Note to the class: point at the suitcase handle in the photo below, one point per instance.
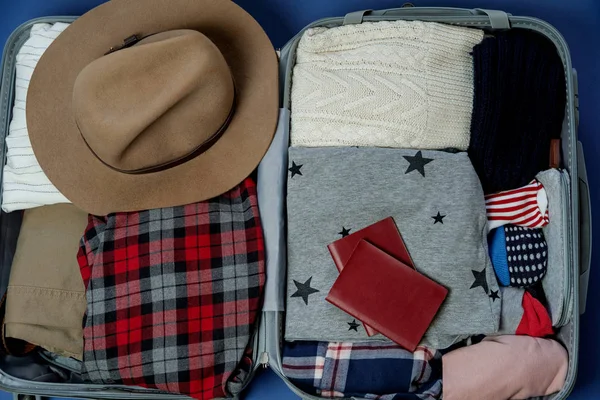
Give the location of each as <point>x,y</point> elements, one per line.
<point>585,229</point>
<point>498,19</point>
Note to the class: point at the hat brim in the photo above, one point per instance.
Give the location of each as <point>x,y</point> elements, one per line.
<point>99,189</point>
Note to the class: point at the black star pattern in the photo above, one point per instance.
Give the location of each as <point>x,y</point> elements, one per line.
<point>304,290</point>
<point>438,218</point>
<point>494,295</point>
<point>295,169</point>
<point>345,232</point>
<point>353,326</point>
<point>479,280</point>
<point>417,163</point>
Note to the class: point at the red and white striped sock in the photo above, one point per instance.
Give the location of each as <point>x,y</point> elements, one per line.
<point>526,206</point>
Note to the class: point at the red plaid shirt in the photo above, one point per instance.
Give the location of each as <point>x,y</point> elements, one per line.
<point>173,293</point>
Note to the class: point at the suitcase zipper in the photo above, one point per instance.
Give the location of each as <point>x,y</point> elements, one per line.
<point>264,359</point>
<point>568,270</point>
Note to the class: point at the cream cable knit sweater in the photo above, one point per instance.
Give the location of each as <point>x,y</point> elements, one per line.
<point>405,84</point>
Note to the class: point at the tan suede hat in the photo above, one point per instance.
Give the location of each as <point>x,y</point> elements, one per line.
<point>153,103</point>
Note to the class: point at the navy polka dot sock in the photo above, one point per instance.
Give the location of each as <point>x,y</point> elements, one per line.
<point>519,255</point>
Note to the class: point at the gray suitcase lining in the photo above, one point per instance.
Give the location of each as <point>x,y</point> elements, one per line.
<point>270,333</point>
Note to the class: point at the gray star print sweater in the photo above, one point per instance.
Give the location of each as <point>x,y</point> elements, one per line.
<point>437,203</point>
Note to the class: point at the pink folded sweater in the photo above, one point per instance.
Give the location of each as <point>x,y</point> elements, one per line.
<point>505,368</point>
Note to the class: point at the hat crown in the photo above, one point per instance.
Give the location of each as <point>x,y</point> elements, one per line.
<point>137,108</point>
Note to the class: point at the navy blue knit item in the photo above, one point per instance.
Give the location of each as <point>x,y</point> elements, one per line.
<point>519,255</point>
<point>518,107</point>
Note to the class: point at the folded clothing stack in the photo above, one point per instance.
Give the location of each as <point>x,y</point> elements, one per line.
<point>165,310</point>
<point>363,369</point>
<point>442,223</point>
<point>45,301</point>
<point>518,107</point>
<point>363,86</point>
<point>24,184</point>
<point>404,84</point>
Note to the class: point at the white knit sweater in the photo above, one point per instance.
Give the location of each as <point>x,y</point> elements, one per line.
<point>405,84</point>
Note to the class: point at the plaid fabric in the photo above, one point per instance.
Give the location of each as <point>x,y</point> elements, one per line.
<point>372,370</point>
<point>173,293</point>
<point>238,379</point>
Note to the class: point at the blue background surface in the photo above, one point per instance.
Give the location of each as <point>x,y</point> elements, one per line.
<point>577,20</point>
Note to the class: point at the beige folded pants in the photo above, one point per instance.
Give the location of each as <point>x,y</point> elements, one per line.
<point>46,302</point>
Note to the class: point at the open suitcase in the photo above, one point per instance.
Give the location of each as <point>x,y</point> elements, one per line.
<point>42,376</point>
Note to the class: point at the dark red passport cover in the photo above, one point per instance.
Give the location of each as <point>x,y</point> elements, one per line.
<point>387,295</point>
<point>384,235</point>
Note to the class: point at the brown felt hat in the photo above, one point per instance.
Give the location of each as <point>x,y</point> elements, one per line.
<point>153,103</point>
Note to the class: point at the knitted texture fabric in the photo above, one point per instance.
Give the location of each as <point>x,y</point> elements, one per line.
<point>526,206</point>
<point>523,312</point>
<point>518,107</point>
<point>404,84</point>
<point>497,249</point>
<point>519,255</point>
<point>536,321</point>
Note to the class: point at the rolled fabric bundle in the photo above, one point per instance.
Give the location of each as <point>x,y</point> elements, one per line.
<point>523,314</point>
<point>526,206</point>
<point>503,368</point>
<point>519,255</point>
<point>372,370</point>
<point>518,107</point>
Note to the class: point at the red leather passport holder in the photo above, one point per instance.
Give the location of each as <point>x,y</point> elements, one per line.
<point>387,295</point>
<point>384,235</point>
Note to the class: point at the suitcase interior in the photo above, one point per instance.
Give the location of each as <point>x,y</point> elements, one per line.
<point>36,375</point>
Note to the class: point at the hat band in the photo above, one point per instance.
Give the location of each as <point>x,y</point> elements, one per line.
<point>203,147</point>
